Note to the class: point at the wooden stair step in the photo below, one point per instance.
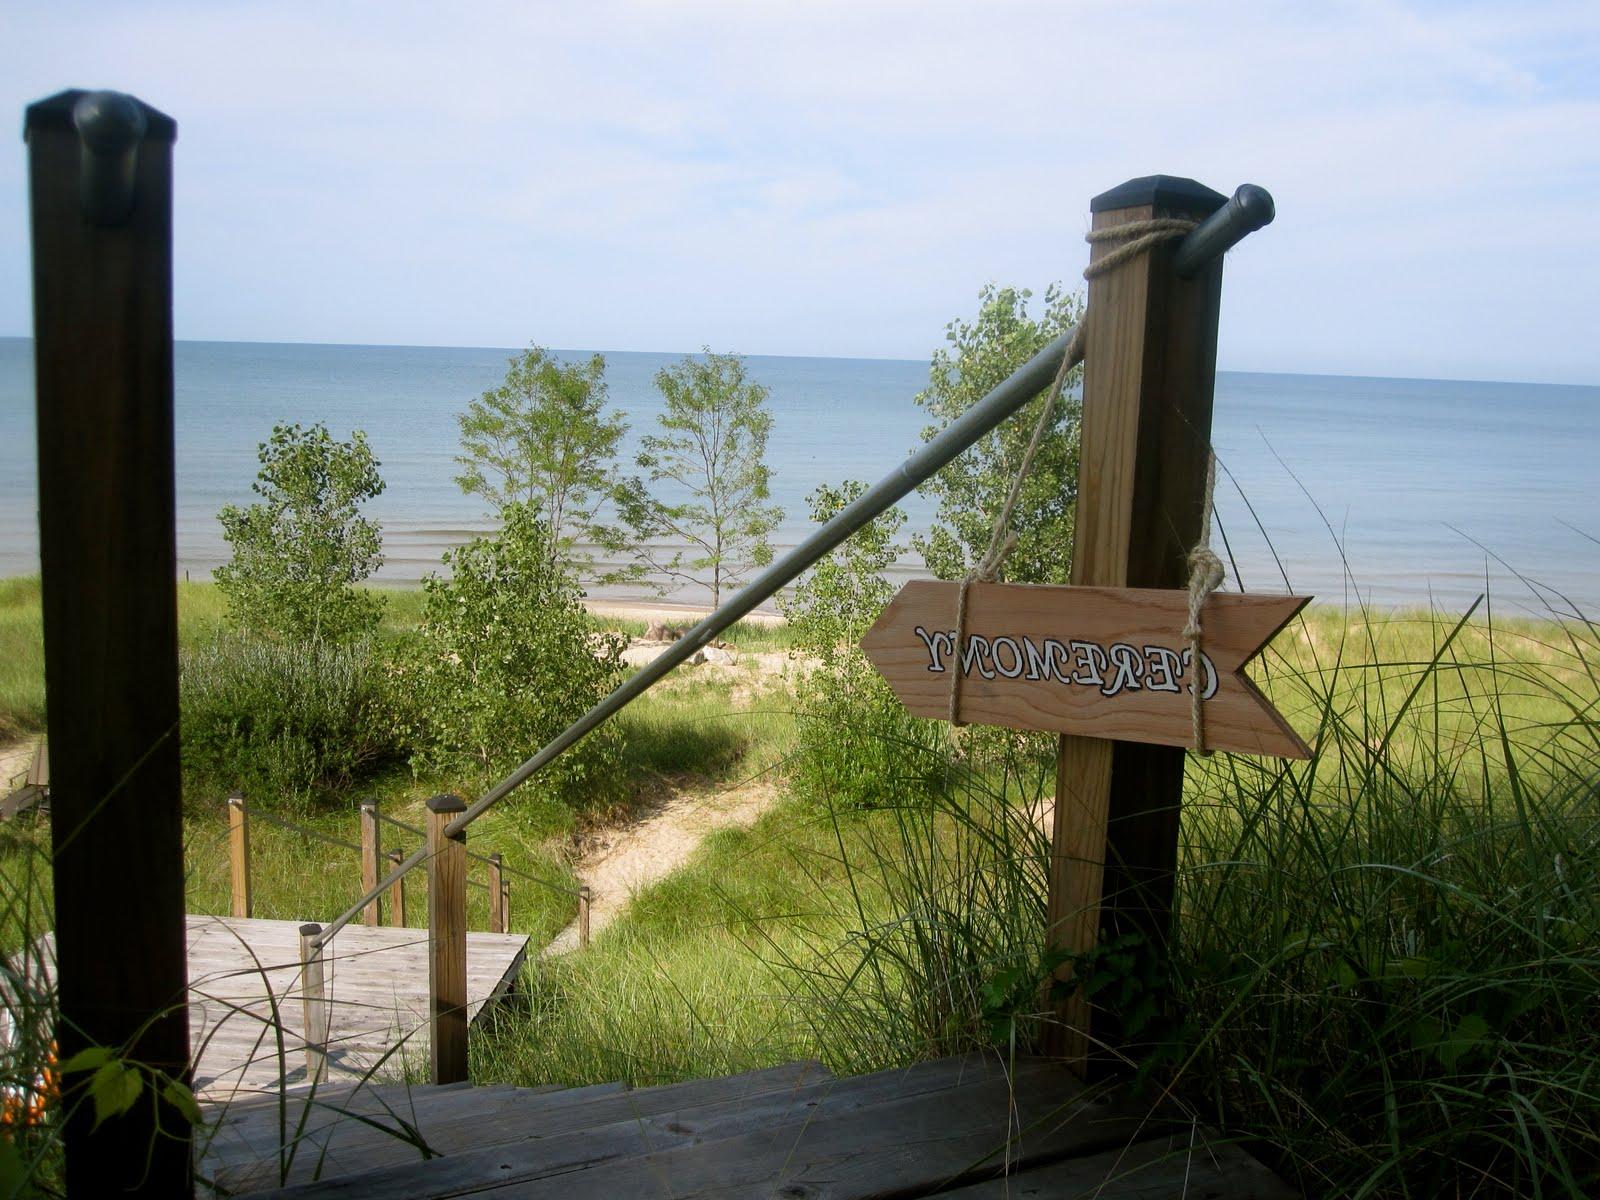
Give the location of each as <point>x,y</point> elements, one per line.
<point>1193,1165</point>
<point>666,1134</point>
<point>486,1116</point>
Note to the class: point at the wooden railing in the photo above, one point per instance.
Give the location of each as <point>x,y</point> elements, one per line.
<point>449,880</point>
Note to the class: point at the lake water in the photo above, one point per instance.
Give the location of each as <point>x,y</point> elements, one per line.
<point>1396,491</point>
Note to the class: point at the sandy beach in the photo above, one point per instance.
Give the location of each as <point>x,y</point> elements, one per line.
<point>667,611</point>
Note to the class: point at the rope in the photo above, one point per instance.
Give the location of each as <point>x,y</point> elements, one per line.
<point>303,831</point>
<point>1206,574</point>
<point>1137,238</point>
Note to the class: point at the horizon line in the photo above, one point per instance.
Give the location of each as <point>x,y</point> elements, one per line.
<point>333,345</point>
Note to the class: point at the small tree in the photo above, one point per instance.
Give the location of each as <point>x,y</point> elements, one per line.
<point>543,438</point>
<point>301,549</point>
<point>711,457</point>
<point>505,658</point>
<point>971,490</point>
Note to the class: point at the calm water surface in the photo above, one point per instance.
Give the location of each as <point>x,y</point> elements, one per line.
<point>1396,491</point>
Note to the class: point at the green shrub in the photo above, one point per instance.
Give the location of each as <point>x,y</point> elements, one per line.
<point>505,658</point>
<point>301,549</point>
<point>286,720</point>
<point>858,746</point>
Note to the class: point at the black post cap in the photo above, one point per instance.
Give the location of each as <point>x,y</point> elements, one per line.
<point>59,112</point>
<point>1171,192</point>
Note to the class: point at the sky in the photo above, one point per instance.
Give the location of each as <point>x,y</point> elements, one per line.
<point>840,178</point>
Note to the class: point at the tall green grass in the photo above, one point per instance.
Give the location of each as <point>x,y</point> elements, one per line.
<point>21,658</point>
<point>1385,967</point>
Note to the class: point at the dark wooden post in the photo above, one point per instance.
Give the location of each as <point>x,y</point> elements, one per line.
<point>584,897</point>
<point>371,859</point>
<point>100,189</point>
<point>1149,369</point>
<point>505,906</point>
<point>497,914</point>
<point>239,854</point>
<point>313,1003</point>
<point>447,941</point>
<point>397,893</point>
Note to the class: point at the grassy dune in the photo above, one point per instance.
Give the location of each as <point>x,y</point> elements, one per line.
<point>1387,959</point>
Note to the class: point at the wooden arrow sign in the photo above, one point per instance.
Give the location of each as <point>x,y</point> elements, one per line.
<point>1101,662</point>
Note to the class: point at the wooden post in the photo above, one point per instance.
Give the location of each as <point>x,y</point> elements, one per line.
<point>371,859</point>
<point>1149,368</point>
<point>505,906</point>
<point>397,893</point>
<point>497,916</point>
<point>584,896</point>
<point>313,1004</point>
<point>447,942</point>
<point>239,854</point>
<point>100,191</point>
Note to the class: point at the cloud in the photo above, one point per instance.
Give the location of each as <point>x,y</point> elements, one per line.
<point>840,177</point>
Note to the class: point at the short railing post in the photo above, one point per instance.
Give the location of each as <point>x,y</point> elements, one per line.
<point>497,895</point>
<point>397,893</point>
<point>584,896</point>
<point>239,854</point>
<point>371,857</point>
<point>314,1003</point>
<point>447,942</point>
<point>505,906</point>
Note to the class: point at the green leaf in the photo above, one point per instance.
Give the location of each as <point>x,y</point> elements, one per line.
<point>13,1170</point>
<point>181,1098</point>
<point>87,1059</point>
<point>115,1089</point>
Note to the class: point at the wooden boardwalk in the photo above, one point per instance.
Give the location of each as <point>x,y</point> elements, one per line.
<point>970,1127</point>
<point>244,988</point>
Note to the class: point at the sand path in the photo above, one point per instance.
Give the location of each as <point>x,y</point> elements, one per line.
<point>617,863</point>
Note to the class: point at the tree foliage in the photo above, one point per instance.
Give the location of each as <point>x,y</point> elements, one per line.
<point>970,491</point>
<point>300,550</point>
<point>543,438</point>
<point>709,464</point>
<point>505,658</point>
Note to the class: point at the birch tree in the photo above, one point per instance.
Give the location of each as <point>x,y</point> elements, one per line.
<point>702,516</point>
<point>543,438</point>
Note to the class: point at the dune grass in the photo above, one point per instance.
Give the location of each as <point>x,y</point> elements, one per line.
<point>1386,966</point>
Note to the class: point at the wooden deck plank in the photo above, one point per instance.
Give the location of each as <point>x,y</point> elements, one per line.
<point>1179,1167</point>
<point>456,1124</point>
<point>241,968</point>
<point>927,1124</point>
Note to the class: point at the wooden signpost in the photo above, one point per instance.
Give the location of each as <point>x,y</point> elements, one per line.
<point>1102,662</point>
<point>1031,655</point>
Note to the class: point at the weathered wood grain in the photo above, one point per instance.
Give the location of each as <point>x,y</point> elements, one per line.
<point>602,1145</point>
<point>1099,662</point>
<point>455,1120</point>
<point>1195,1165</point>
<point>447,941</point>
<point>245,1008</point>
